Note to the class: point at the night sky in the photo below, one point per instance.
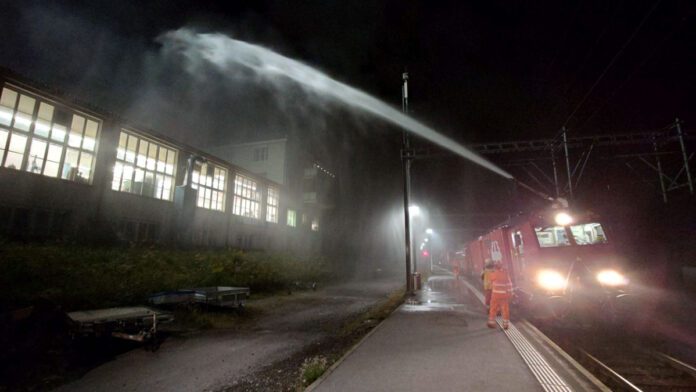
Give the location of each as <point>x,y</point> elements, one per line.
<point>479,71</point>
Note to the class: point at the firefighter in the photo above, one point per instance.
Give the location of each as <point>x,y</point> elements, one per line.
<point>501,286</point>
<point>486,278</point>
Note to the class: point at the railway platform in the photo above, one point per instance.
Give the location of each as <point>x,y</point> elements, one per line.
<point>440,342</point>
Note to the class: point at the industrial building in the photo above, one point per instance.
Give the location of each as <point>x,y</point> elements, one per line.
<point>69,171</point>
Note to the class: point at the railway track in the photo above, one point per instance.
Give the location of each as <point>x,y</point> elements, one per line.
<point>622,364</point>
<point>640,370</point>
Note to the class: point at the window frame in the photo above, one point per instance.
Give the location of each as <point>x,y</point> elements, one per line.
<point>45,113</point>
<point>246,197</point>
<point>132,160</point>
<point>217,194</point>
<point>272,204</point>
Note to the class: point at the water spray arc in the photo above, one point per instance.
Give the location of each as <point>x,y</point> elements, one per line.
<point>227,53</point>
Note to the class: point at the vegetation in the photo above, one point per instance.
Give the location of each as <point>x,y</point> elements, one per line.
<point>313,368</point>
<point>87,277</point>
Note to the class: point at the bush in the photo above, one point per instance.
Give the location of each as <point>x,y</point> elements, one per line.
<point>86,277</point>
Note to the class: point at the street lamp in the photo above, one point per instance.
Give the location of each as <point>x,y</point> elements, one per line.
<point>414,210</point>
<point>428,231</point>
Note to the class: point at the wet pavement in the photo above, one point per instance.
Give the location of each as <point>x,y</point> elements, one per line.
<point>440,343</point>
<point>217,360</point>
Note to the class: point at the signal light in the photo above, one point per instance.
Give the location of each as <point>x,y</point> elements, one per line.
<point>425,253</point>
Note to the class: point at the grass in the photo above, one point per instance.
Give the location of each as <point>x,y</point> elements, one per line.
<point>78,277</point>
<point>312,369</point>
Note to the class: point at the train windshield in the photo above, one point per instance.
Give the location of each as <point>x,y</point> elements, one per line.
<point>550,237</point>
<point>583,234</point>
<point>588,234</point>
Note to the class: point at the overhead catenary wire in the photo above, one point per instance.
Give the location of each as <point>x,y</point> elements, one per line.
<point>613,60</point>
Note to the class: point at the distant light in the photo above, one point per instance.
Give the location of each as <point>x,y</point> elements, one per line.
<point>414,210</point>
<point>563,219</point>
<point>426,253</point>
<point>429,231</point>
<point>426,240</point>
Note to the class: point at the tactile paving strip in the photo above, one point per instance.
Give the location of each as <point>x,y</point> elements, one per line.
<point>548,378</point>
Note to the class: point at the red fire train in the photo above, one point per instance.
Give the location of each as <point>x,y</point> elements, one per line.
<point>561,263</point>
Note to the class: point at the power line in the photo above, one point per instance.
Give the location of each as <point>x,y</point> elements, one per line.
<point>611,63</point>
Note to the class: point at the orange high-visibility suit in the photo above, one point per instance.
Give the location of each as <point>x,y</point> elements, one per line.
<point>501,286</point>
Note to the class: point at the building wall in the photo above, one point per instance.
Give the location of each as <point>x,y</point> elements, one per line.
<point>266,158</point>
<point>37,206</point>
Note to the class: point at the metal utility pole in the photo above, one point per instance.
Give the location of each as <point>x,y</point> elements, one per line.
<point>659,171</point>
<point>567,158</point>
<point>406,158</point>
<point>555,172</point>
<point>680,134</point>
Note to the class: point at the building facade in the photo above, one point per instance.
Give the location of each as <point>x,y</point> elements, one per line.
<point>69,171</point>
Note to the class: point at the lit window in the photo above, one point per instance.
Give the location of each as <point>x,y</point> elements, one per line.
<point>210,180</point>
<point>143,167</point>
<point>48,153</point>
<point>588,234</point>
<point>272,205</point>
<point>246,197</point>
<point>551,237</point>
<point>315,224</point>
<point>292,218</point>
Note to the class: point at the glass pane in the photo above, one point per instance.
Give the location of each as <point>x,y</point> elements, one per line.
<point>26,104</point>
<point>58,133</point>
<point>138,181</point>
<point>142,154</point>
<point>16,151</point>
<point>45,111</point>
<point>75,137</point>
<point>42,128</point>
<point>121,150</point>
<point>22,121</point>
<point>152,157</point>
<point>51,169</point>
<point>171,161</point>
<point>127,185</point>
<point>5,115</point>
<point>18,143</point>
<point>3,140</point>
<point>86,160</point>
<point>131,150</point>
<point>162,160</point>
<point>70,166</point>
<point>588,234</point>
<point>8,98</point>
<point>54,152</point>
<point>14,160</point>
<point>90,135</point>
<point>7,104</point>
<point>552,236</point>
<point>37,153</point>
<point>149,184</point>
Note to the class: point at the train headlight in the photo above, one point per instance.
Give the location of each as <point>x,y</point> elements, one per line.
<point>551,280</point>
<point>611,278</point>
<point>563,219</point>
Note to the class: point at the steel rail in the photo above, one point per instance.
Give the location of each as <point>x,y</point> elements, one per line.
<point>606,370</point>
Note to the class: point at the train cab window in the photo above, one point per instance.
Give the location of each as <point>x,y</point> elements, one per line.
<point>517,242</point>
<point>551,237</point>
<point>588,234</point>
